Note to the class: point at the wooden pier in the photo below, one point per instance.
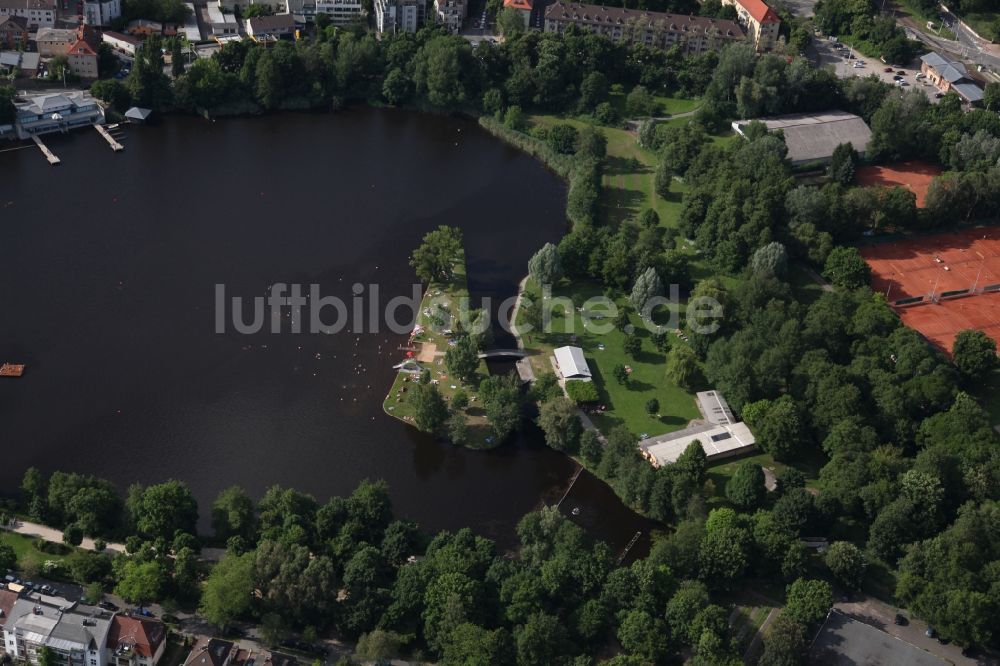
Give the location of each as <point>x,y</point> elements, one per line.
<point>11,370</point>
<point>49,155</point>
<point>115,146</point>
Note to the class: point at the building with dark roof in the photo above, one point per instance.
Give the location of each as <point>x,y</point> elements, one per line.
<point>210,652</point>
<point>13,31</point>
<point>950,75</point>
<point>693,34</point>
<point>270,28</point>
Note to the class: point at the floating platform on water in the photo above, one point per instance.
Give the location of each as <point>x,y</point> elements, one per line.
<point>11,370</point>
<point>115,146</point>
<point>49,155</point>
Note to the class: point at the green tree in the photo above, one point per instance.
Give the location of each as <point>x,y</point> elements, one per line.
<point>682,367</point>
<point>746,488</point>
<point>652,406</point>
<point>48,657</point>
<point>846,268</point>
<point>462,359</point>
<point>808,600</point>
<point>140,582</point>
<point>770,259</point>
<point>621,374</point>
<point>435,258</point>
<point>562,138</point>
<point>429,408</point>
<point>843,164</point>
<point>8,557</point>
<point>544,266</point>
<point>397,87</point>
<point>632,345</point>
<point>560,421</point>
<point>593,90</point>
<point>647,286</point>
<point>510,22</point>
<point>541,640</point>
<point>166,508</point>
<point>234,514</point>
<point>228,591</point>
<point>379,644</point>
<point>458,428</point>
<point>472,645</point>
<point>590,447</point>
<point>72,535</point>
<point>846,562</point>
<point>639,102</point>
<point>975,354</point>
<point>785,644</point>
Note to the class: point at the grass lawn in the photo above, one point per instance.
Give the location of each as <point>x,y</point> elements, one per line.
<point>629,174</point>
<point>624,405</point>
<point>26,551</point>
<point>806,289</point>
<point>720,473</point>
<point>665,106</point>
<point>439,302</point>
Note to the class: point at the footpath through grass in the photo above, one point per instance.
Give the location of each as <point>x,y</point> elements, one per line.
<point>441,304</point>
<point>622,404</point>
<point>28,554</point>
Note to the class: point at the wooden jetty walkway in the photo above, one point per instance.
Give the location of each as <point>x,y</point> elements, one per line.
<point>115,146</point>
<point>11,370</point>
<point>621,558</point>
<point>49,155</point>
<point>579,470</point>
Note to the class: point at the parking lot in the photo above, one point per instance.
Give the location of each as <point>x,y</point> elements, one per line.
<point>843,59</point>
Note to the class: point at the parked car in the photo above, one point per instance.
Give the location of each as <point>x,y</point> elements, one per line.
<point>47,589</point>
<point>938,95</point>
<point>143,612</point>
<point>887,70</point>
<point>108,606</point>
<point>901,72</point>
<point>900,620</point>
<point>931,632</point>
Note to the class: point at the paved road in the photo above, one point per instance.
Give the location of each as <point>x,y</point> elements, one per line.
<point>880,615</point>
<point>51,534</point>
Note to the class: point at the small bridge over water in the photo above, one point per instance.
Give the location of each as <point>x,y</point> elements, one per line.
<point>503,353</point>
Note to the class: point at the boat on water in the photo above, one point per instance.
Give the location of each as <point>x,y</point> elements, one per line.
<point>11,370</point>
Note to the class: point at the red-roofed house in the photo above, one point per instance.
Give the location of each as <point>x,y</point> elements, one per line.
<point>135,641</point>
<point>760,21</point>
<point>523,6</point>
<point>82,60</point>
<point>7,601</point>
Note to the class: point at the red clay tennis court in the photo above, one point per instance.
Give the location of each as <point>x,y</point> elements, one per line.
<point>914,176</point>
<point>942,284</point>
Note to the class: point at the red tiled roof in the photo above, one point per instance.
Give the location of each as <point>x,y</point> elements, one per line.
<point>81,48</point>
<point>144,636</point>
<point>759,10</point>
<point>7,599</point>
<point>518,4</point>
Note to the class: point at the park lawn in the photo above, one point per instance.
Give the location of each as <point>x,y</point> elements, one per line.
<point>720,473</point>
<point>396,403</point>
<point>630,173</point>
<point>666,105</point>
<point>624,405</point>
<point>24,548</point>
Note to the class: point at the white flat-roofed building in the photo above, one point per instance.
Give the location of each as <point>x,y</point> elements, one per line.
<point>718,441</point>
<point>77,634</point>
<point>393,16</point>
<point>714,408</point>
<point>571,363</point>
<point>341,12</point>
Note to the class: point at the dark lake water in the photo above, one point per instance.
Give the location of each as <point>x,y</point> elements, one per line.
<point>107,291</point>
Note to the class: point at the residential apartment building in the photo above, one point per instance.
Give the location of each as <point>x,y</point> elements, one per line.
<point>524,7</point>
<point>77,635</point>
<point>39,13</point>
<point>450,13</point>
<point>101,12</point>
<point>82,60</point>
<point>693,34</point>
<point>13,31</point>
<point>760,21</point>
<point>219,21</point>
<point>341,12</point>
<point>394,16</point>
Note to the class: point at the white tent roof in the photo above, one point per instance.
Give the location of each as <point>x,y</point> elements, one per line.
<point>571,363</point>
